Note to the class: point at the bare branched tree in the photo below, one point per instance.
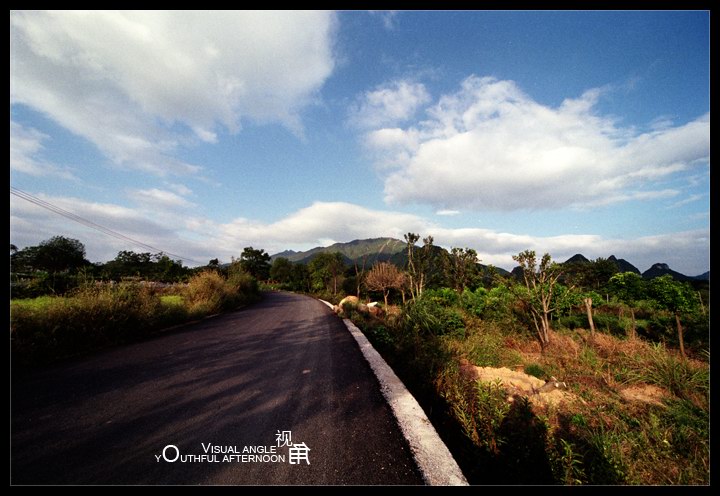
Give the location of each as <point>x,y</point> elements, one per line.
<point>383,277</point>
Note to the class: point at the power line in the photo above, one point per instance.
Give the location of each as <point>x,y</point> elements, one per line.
<point>91,224</point>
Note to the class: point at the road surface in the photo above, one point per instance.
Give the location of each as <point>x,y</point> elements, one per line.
<point>145,413</point>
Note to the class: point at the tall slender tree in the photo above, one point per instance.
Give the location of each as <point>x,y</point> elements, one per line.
<point>539,285</point>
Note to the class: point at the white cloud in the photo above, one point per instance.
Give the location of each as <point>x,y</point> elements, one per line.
<point>322,223</point>
<point>31,224</point>
<point>180,189</point>
<point>139,84</point>
<point>490,146</point>
<point>156,198</point>
<point>685,201</point>
<point>447,212</point>
<point>389,104</point>
<point>25,148</point>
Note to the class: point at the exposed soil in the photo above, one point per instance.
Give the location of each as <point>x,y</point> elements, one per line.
<point>645,393</point>
<point>538,392</point>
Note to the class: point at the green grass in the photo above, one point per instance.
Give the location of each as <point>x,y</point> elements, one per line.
<point>34,304</point>
<point>172,300</point>
<point>685,379</point>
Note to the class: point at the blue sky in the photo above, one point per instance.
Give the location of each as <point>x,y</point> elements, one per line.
<point>202,133</point>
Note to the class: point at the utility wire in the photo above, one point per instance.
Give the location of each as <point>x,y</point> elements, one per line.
<point>91,224</point>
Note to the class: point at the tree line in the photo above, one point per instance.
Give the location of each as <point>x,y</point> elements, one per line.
<point>59,264</point>
<point>544,289</point>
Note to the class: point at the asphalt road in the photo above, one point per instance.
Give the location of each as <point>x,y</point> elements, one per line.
<point>235,380</point>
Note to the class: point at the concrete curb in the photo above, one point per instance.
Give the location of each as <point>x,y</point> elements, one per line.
<point>434,459</point>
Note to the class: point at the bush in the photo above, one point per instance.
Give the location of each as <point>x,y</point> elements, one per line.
<point>536,370</point>
<point>380,336</point>
<point>474,301</point>
<point>427,315</point>
<point>574,322</point>
<point>500,306</point>
<point>244,284</point>
<point>208,292</point>
<point>445,297</point>
<point>610,324</point>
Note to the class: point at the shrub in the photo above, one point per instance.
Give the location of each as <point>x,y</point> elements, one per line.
<point>445,297</point>
<point>380,336</point>
<point>244,284</point>
<point>610,323</point>
<point>573,322</point>
<point>427,315</point>
<point>207,292</point>
<point>474,301</point>
<point>536,370</point>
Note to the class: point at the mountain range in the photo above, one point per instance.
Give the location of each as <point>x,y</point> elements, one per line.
<point>370,251</point>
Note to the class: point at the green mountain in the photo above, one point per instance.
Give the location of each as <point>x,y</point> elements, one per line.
<point>371,250</point>
<point>578,258</point>
<point>661,269</point>
<point>623,265</point>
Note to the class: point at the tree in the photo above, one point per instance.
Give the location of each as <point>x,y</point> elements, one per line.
<point>359,274</point>
<point>129,263</point>
<point>629,288</point>
<point>281,270</point>
<point>424,261</point>
<point>676,297</point>
<point>602,270</point>
<point>383,277</point>
<point>460,266</point>
<point>326,271</point>
<point>256,263</point>
<point>300,277</point>
<point>540,284</point>
<point>419,261</point>
<point>411,239</point>
<point>57,254</point>
<point>165,269</point>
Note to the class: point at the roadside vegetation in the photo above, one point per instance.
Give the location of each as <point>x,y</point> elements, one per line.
<point>631,354</point>
<point>62,306</point>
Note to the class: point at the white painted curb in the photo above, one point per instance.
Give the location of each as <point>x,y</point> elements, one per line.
<point>435,461</point>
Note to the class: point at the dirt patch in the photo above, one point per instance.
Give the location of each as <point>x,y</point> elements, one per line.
<point>517,383</point>
<point>645,393</point>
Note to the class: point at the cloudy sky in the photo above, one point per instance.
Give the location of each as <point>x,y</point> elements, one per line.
<point>199,134</point>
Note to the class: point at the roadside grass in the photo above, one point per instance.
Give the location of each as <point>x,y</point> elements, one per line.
<point>605,437</point>
<point>47,329</point>
<point>172,300</point>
